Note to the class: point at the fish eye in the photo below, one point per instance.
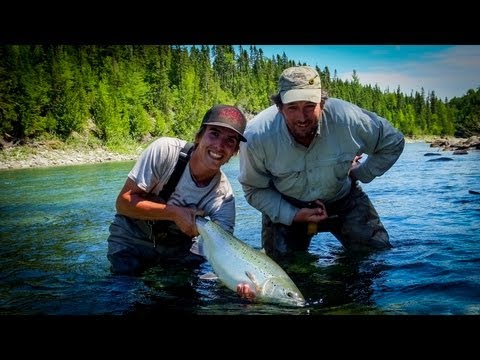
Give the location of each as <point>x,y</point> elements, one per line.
<point>290,294</point>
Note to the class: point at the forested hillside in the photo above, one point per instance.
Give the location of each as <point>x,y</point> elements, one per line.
<point>126,93</point>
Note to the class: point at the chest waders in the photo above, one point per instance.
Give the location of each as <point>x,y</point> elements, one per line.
<point>166,231</point>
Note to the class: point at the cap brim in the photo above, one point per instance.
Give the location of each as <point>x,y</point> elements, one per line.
<point>312,95</point>
<point>242,138</point>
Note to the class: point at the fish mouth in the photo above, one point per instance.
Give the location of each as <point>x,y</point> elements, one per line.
<point>299,303</point>
<point>295,299</point>
<point>290,302</point>
<point>279,290</point>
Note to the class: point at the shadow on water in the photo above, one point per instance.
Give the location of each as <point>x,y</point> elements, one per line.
<point>172,289</point>
<point>180,291</point>
<point>340,282</point>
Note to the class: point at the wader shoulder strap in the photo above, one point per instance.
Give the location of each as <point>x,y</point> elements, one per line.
<point>182,161</point>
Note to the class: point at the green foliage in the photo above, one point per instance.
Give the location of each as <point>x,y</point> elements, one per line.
<point>122,95</point>
<point>7,88</point>
<point>467,113</point>
<point>162,123</point>
<point>140,123</point>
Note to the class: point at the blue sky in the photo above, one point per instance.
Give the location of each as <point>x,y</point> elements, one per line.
<point>448,70</point>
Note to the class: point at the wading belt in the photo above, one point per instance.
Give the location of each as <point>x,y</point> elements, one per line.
<point>335,211</point>
<point>339,207</point>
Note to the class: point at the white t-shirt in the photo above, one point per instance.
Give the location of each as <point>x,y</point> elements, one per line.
<point>157,163</point>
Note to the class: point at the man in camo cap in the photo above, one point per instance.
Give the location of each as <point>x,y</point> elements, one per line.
<point>300,166</point>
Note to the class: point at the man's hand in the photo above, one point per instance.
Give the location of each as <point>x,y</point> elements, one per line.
<point>314,215</point>
<point>185,220</point>
<point>356,160</point>
<point>355,164</point>
<point>245,292</point>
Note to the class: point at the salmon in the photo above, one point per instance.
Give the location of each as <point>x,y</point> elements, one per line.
<point>234,262</point>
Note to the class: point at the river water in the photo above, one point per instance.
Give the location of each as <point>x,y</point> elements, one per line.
<point>54,229</point>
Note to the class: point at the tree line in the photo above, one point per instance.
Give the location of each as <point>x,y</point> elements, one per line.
<point>130,92</point>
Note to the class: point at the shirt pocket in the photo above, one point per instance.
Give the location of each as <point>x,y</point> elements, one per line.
<point>330,174</point>
<point>287,170</point>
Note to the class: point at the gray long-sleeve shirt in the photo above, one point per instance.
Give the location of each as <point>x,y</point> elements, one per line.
<point>271,162</point>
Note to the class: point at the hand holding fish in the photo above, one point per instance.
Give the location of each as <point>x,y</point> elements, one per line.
<point>247,271</point>
<point>185,220</point>
<point>245,292</point>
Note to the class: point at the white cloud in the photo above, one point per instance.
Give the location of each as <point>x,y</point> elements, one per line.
<point>449,73</point>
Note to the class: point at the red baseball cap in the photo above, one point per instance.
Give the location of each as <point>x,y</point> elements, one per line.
<point>226,116</point>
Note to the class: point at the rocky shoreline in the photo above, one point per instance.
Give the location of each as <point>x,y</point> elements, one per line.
<point>43,154</point>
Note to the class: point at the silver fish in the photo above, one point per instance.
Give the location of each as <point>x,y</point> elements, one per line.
<point>235,262</point>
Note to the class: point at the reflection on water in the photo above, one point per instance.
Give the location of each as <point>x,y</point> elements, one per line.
<point>54,226</point>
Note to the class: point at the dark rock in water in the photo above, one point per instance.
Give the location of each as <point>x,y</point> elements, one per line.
<point>460,152</point>
<point>473,192</point>
<point>443,158</point>
<point>432,154</point>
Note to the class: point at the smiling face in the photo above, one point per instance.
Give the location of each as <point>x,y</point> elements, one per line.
<point>302,119</point>
<point>216,145</point>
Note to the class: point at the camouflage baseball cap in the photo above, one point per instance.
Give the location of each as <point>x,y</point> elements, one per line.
<point>226,116</point>
<point>300,83</point>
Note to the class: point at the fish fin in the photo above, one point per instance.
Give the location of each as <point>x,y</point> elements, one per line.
<point>253,279</point>
<point>258,287</point>
<point>209,276</point>
<point>197,246</point>
<point>251,276</point>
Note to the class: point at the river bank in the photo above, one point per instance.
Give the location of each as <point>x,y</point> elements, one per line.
<point>45,153</point>
<point>55,153</point>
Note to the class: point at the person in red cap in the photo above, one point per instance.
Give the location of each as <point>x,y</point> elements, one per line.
<point>155,219</point>
<point>300,167</point>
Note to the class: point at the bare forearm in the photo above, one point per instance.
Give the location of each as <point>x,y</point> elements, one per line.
<point>136,206</point>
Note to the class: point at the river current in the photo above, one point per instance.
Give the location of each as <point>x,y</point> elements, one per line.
<point>54,229</point>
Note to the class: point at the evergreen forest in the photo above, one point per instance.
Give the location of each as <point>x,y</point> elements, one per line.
<point>129,93</point>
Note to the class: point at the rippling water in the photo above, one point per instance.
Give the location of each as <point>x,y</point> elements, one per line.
<point>54,226</point>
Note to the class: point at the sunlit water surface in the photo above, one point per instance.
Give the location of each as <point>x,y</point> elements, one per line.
<point>53,245</point>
